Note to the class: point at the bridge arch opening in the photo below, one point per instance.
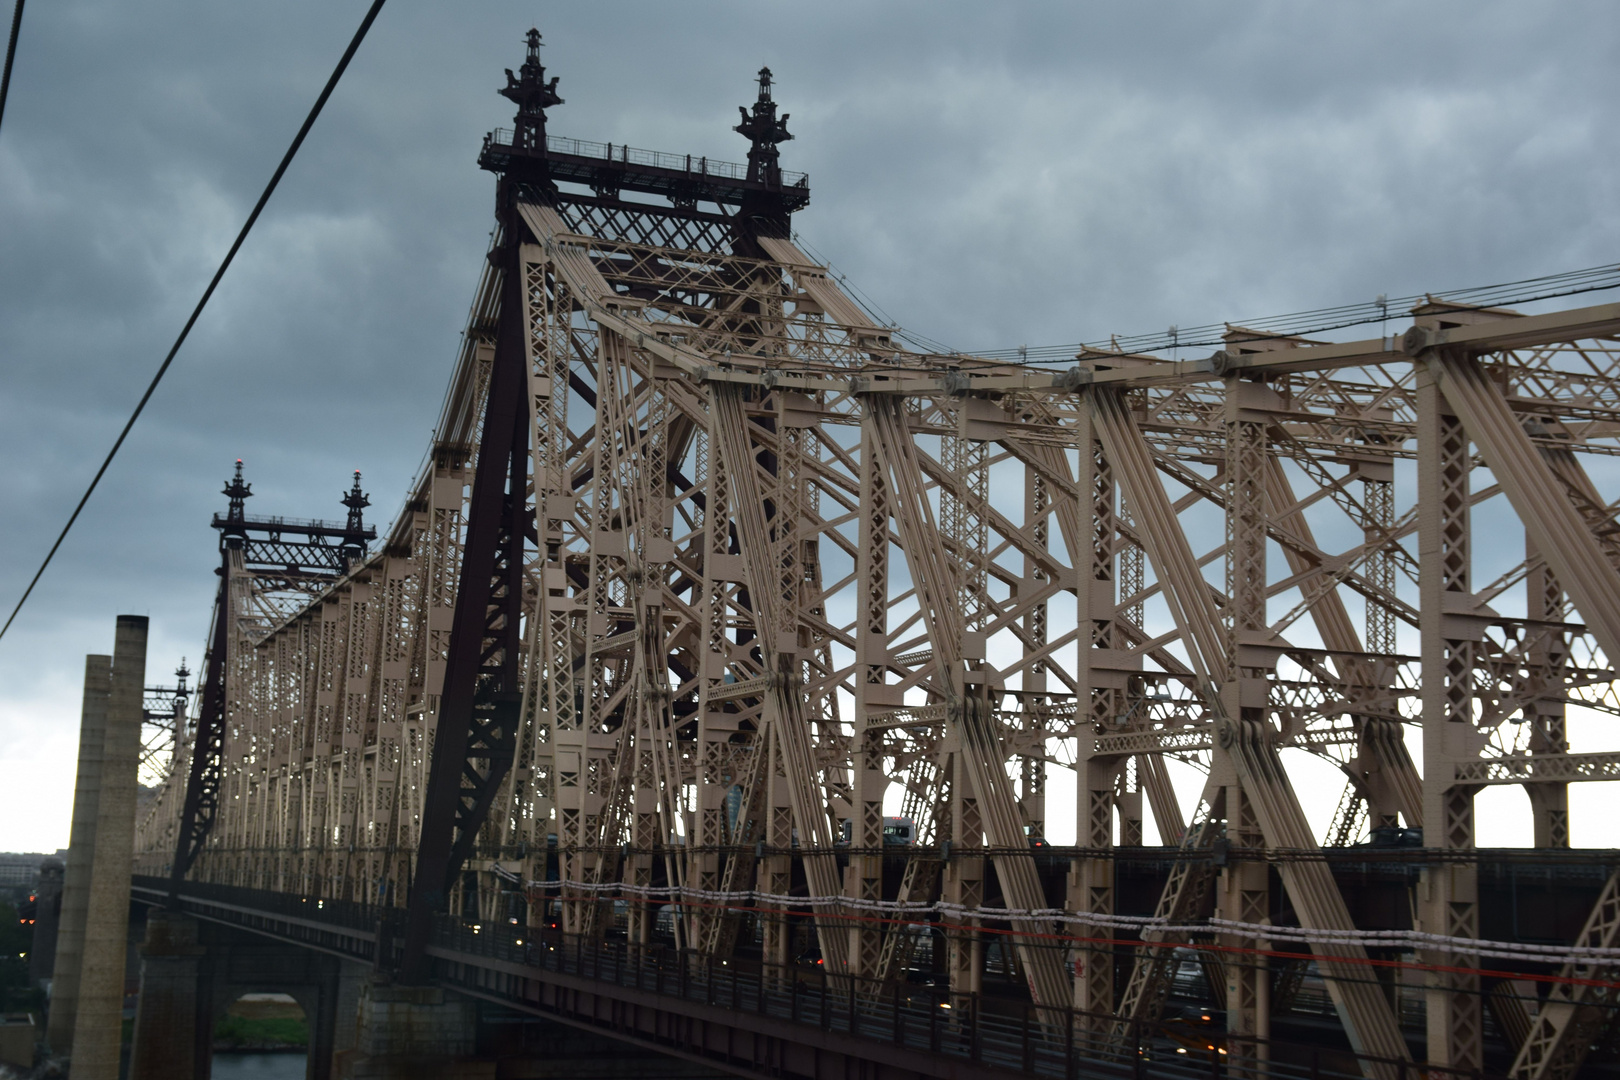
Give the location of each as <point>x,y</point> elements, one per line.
<point>261,1036</point>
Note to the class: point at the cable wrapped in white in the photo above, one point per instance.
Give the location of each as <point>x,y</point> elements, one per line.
<point>1258,932</point>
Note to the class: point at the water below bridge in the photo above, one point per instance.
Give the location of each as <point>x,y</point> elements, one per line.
<point>260,1066</point>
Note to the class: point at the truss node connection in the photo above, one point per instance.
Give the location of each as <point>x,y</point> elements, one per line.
<point>719,621</point>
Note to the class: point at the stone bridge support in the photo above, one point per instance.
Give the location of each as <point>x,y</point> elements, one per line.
<point>417,1032</point>
<point>191,971</point>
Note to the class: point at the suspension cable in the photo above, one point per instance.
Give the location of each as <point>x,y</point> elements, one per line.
<point>1322,320</point>
<point>286,160</point>
<point>11,54</point>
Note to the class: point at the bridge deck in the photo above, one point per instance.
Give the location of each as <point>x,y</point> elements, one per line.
<point>735,1016</point>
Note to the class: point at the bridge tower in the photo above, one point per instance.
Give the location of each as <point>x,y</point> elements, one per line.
<point>710,567</point>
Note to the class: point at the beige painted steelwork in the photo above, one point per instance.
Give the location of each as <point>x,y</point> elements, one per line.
<point>785,570</point>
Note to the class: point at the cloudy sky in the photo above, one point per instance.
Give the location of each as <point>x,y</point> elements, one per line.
<point>990,175</point>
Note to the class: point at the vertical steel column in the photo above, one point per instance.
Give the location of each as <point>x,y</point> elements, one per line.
<point>775,873</point>
<point>734,749</point>
<point>1548,652</point>
<point>228,843</point>
<point>1378,496</point>
<point>1149,779</point>
<point>864,880</point>
<point>1128,793</point>
<point>962,526</point>
<point>308,643</point>
<point>586,783</point>
<point>1032,782</point>
<point>298,736</point>
<point>326,742</point>
<point>964,887</point>
<point>402,593</point>
<point>550,678</point>
<point>354,696</point>
<point>657,779</point>
<point>646,713</point>
<point>717,723</point>
<point>616,544</point>
<point>1382,752</point>
<point>1101,692</point>
<point>1448,891</point>
<point>278,763</point>
<point>1243,889</point>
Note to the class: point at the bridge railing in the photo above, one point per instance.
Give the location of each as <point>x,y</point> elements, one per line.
<point>658,159</point>
<point>999,1033</point>
<point>1055,1042</point>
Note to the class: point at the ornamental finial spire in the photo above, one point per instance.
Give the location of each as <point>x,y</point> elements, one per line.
<point>532,95</point>
<point>765,130</point>
<point>354,530</point>
<point>238,492</point>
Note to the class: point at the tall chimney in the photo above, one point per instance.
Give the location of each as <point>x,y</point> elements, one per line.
<point>81,852</point>
<point>98,1028</point>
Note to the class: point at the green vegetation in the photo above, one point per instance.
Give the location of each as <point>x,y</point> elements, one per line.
<point>262,1033</point>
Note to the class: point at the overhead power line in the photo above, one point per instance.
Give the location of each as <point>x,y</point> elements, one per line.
<point>1322,320</point>
<point>247,227</point>
<point>1209,335</point>
<point>11,54</point>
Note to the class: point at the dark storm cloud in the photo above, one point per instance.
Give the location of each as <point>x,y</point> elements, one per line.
<point>989,175</point>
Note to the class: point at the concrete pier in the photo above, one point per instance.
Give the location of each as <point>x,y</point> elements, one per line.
<point>81,853</point>
<point>98,1027</point>
<point>168,1044</point>
<point>418,1032</point>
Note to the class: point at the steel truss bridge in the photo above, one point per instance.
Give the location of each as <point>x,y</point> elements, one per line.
<point>706,569</point>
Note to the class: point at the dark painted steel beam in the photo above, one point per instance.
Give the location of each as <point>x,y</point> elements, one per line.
<point>208,745</point>
<point>474,742</point>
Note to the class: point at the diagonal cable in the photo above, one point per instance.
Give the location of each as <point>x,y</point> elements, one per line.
<point>247,227</point>
<point>11,54</point>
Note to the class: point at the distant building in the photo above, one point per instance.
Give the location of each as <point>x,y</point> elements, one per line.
<point>21,869</point>
<point>18,869</point>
